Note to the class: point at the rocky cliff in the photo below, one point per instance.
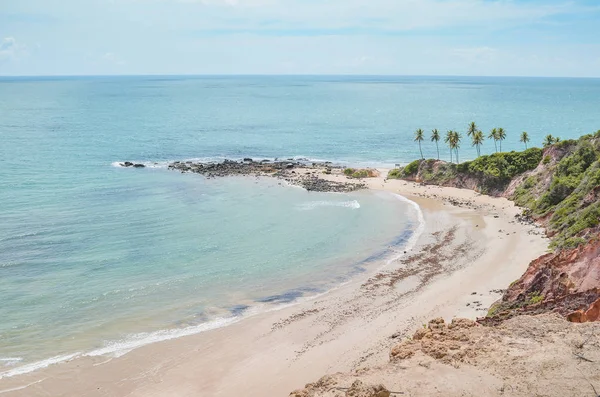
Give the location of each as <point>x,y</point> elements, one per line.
<point>559,188</point>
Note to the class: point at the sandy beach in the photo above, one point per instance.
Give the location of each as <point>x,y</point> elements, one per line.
<point>471,248</point>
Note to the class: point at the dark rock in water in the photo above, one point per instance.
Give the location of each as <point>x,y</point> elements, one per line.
<point>278,169</point>
<point>127,164</point>
<point>139,166</point>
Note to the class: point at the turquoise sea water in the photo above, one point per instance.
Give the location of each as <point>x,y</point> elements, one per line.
<point>97,259</point>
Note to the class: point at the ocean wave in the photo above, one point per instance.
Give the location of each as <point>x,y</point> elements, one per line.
<point>10,361</point>
<point>311,205</point>
<point>135,341</point>
<point>19,236</point>
<point>38,365</point>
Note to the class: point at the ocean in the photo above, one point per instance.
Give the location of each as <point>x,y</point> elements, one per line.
<point>96,259</point>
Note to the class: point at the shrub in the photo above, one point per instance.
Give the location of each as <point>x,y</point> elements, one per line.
<point>396,173</point>
<point>534,298</point>
<point>412,168</point>
<point>504,165</point>
<point>360,174</point>
<point>546,160</point>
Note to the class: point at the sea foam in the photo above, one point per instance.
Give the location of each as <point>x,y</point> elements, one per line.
<point>311,205</point>
<point>38,365</point>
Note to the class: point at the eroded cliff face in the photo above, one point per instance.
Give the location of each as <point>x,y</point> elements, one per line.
<point>566,282</point>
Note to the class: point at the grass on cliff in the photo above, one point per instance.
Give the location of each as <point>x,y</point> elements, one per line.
<point>571,200</point>
<point>493,171</point>
<point>564,191</point>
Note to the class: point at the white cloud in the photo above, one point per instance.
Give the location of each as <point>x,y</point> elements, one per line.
<point>113,59</point>
<point>381,15</point>
<point>476,55</point>
<point>10,50</point>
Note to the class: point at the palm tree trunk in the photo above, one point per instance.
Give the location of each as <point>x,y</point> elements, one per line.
<point>457,156</point>
<point>501,146</point>
<point>451,155</point>
<point>525,145</point>
<point>420,150</point>
<point>437,146</point>
<point>496,145</point>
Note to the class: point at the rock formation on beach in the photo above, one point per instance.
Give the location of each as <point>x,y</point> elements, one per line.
<point>303,174</point>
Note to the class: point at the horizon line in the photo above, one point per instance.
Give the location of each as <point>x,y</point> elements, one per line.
<point>286,75</point>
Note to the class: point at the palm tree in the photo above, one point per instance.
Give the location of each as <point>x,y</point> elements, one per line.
<point>449,140</point>
<point>556,140</point>
<point>472,129</point>
<point>494,135</point>
<point>419,138</point>
<point>549,140</point>
<point>477,139</point>
<point>456,138</point>
<point>524,138</point>
<point>435,137</point>
<point>501,136</point>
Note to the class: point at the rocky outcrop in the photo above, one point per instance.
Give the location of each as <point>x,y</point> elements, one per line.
<point>130,164</point>
<point>328,384</point>
<point>294,172</point>
<point>449,343</point>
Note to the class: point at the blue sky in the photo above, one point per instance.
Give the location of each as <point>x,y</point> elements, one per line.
<point>405,37</point>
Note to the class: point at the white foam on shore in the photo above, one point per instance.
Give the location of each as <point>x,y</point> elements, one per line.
<point>311,205</point>
<point>10,361</point>
<point>38,365</point>
<point>412,241</point>
<point>132,342</point>
<point>22,387</point>
<point>118,348</point>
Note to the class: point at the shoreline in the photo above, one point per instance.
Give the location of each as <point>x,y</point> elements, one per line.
<point>285,344</point>
<point>286,298</point>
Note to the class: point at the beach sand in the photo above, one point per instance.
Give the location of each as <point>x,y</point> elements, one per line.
<point>472,247</point>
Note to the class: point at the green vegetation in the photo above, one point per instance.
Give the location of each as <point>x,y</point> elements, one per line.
<point>472,129</point>
<point>504,165</point>
<point>501,136</point>
<point>534,298</point>
<point>549,140</point>
<point>565,192</point>
<point>453,140</point>
<point>493,310</point>
<point>524,138</point>
<point>406,172</point>
<point>396,173</point>
<point>435,137</point>
<point>357,173</point>
<point>477,139</point>
<point>419,137</point>
<point>494,135</point>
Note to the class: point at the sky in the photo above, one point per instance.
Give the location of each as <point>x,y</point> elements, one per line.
<point>364,37</point>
